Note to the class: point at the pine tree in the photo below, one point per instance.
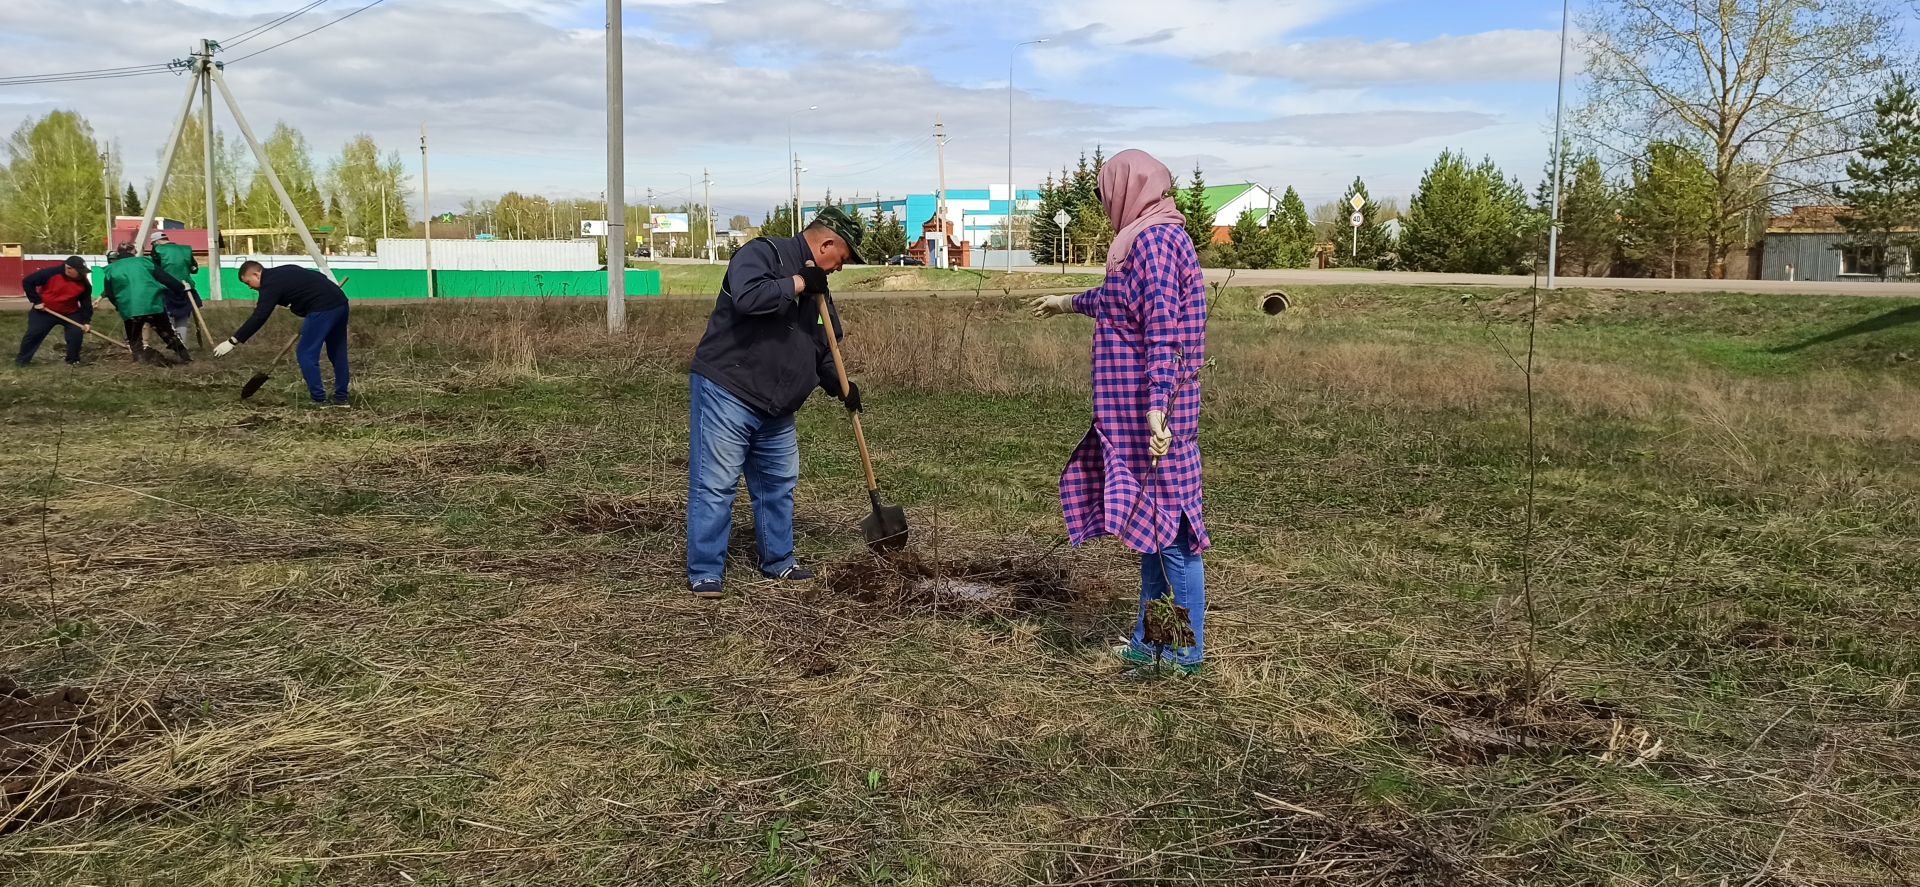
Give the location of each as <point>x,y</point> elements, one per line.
<point>1293,232</point>
<point>1669,212</point>
<point>1254,246</point>
<point>1374,244</point>
<point>130,202</point>
<point>886,237</point>
<point>1589,219</point>
<point>1467,219</point>
<point>1046,239</point>
<point>1883,197</point>
<point>1193,205</point>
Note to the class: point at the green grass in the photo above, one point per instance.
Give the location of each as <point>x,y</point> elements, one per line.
<point>678,279</point>
<point>442,638</point>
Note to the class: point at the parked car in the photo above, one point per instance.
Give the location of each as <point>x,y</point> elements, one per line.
<point>905,261</point>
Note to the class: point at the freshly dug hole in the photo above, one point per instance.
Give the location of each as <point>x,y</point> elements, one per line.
<point>52,745</point>
<point>909,580</point>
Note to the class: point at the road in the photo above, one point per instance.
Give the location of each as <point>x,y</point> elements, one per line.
<point>1281,278</point>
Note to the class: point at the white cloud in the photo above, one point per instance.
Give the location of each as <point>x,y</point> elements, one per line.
<point>1491,56</point>
<point>835,27</point>
<point>1192,28</point>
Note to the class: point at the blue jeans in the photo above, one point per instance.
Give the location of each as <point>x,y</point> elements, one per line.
<point>1176,569</point>
<point>327,328</point>
<point>729,438</point>
<point>40,323</point>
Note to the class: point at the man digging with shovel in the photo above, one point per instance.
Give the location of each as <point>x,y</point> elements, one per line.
<point>322,306</point>
<point>67,289</point>
<point>138,289</point>
<point>764,352</point>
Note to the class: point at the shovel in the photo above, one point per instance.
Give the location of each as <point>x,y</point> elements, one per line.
<point>260,378</point>
<point>80,326</point>
<point>886,527</point>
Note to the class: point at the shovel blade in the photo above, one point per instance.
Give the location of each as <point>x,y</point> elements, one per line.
<point>886,528</point>
<point>253,385</point>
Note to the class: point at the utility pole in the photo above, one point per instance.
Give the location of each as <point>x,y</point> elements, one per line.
<point>706,197</point>
<point>616,175</point>
<point>1012,192</point>
<point>426,207</point>
<point>213,199</point>
<point>646,222</point>
<point>796,198</point>
<point>1559,162</point>
<point>940,202</point>
<point>106,190</point>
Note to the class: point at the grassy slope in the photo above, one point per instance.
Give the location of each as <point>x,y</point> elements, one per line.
<point>441,635</point>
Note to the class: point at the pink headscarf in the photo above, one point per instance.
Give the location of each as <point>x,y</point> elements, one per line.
<point>1133,189</point>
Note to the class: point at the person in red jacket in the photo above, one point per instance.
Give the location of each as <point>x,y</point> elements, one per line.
<point>66,288</point>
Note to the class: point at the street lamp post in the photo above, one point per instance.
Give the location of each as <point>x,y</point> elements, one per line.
<point>793,180</point>
<point>1560,98</point>
<point>1013,194</point>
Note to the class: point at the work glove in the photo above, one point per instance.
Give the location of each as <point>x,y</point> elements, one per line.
<point>225,348</point>
<point>39,307</point>
<point>851,400</point>
<point>1161,437</point>
<point>816,279</point>
<point>1050,306</point>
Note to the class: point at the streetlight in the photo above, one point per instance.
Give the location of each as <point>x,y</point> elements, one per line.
<point>1013,194</point>
<point>793,180</point>
<point>1560,98</point>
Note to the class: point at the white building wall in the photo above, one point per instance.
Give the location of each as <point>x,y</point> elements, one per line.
<point>491,255</point>
<point>1256,198</point>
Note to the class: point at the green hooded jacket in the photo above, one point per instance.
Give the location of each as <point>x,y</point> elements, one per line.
<point>136,287</point>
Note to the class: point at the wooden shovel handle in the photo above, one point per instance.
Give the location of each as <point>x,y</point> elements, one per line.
<point>88,327</point>
<point>833,346</point>
<point>282,353</point>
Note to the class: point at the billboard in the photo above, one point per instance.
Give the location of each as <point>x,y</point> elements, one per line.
<point>671,223</point>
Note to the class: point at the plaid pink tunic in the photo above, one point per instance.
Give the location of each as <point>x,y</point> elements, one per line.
<point>1148,346</point>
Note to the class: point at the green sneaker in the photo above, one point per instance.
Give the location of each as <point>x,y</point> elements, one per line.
<point>1143,666</point>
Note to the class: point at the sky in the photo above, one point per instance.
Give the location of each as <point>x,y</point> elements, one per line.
<point>1302,93</point>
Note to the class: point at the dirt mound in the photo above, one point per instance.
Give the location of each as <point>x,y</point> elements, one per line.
<point>52,746</point>
<point>910,580</point>
<point>1478,720</point>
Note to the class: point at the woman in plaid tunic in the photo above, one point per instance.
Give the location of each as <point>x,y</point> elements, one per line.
<point>1136,474</point>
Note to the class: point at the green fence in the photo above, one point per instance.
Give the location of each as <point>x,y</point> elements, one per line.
<point>380,283</point>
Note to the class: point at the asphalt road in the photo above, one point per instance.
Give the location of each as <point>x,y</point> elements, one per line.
<point>1281,278</point>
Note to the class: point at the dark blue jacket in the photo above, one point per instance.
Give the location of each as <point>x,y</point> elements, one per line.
<point>764,345</point>
<point>303,290</point>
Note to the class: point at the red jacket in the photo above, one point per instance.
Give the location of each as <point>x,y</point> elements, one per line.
<point>50,287</point>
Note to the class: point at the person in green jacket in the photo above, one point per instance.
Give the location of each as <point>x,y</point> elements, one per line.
<point>138,290</point>
<point>177,260</point>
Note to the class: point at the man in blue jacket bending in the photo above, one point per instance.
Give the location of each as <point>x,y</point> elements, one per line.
<point>764,352</point>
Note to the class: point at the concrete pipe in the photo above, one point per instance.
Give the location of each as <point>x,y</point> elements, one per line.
<point>1275,302</point>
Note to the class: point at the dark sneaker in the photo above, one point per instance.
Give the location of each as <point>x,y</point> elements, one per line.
<point>340,404</point>
<point>795,573</point>
<point>709,589</point>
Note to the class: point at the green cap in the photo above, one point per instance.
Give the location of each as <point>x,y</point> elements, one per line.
<point>843,226</point>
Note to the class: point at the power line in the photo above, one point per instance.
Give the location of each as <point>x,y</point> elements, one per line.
<point>75,77</point>
<point>257,30</point>
<point>307,33</point>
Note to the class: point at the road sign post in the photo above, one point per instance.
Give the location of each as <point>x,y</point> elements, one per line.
<point>1356,220</point>
<point>1060,220</point>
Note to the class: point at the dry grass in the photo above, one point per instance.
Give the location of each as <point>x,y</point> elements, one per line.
<point>440,639</point>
